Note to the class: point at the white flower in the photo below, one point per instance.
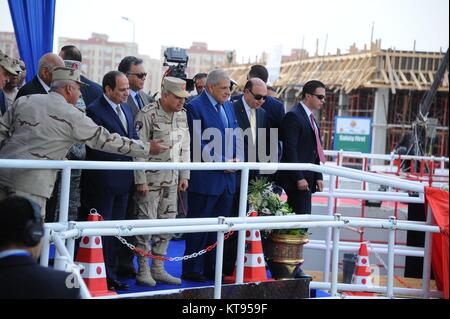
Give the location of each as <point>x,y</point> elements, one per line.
<point>266,211</point>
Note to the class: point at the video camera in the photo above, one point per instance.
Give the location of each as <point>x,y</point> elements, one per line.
<point>177,59</point>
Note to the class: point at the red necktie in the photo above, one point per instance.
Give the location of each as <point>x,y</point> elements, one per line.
<point>318,143</point>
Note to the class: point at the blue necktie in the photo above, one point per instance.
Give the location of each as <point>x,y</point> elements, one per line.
<point>140,104</point>
<point>222,114</point>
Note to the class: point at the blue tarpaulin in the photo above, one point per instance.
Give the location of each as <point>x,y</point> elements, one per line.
<point>34,24</point>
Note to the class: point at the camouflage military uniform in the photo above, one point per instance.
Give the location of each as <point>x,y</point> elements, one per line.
<point>152,122</point>
<point>44,127</point>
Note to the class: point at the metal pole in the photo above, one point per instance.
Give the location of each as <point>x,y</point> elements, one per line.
<point>335,261</point>
<point>65,190</point>
<point>326,269</point>
<point>241,233</point>
<point>427,256</point>
<point>391,257</point>
<point>219,261</point>
<point>45,251</point>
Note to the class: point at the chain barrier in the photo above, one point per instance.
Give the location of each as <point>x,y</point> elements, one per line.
<point>149,254</point>
<point>378,257</point>
<point>381,261</point>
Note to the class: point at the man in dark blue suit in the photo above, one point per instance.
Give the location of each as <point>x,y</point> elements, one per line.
<point>210,192</point>
<point>21,277</point>
<point>301,144</point>
<point>72,58</point>
<point>108,191</point>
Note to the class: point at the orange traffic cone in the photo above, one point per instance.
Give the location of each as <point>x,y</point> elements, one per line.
<point>254,264</point>
<point>363,273</point>
<point>90,256</point>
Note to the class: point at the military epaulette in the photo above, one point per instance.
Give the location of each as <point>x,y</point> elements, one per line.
<point>149,107</point>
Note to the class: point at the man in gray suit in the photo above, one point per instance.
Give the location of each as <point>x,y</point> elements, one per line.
<point>133,68</point>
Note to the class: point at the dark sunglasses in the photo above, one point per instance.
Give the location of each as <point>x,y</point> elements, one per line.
<point>258,96</point>
<point>139,75</point>
<point>319,96</point>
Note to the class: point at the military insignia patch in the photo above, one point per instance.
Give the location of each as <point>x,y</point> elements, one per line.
<point>138,126</point>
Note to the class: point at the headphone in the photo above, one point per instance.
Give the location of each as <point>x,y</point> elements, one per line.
<point>34,229</point>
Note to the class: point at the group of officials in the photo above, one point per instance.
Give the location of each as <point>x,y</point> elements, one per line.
<point>60,109</point>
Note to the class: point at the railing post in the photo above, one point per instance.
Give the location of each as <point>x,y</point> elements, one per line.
<point>391,257</point>
<point>45,251</point>
<point>70,243</point>
<point>326,270</point>
<point>65,190</point>
<point>241,233</point>
<point>219,261</point>
<point>426,272</point>
<point>335,261</point>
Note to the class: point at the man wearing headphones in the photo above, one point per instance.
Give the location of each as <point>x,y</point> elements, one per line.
<point>21,277</point>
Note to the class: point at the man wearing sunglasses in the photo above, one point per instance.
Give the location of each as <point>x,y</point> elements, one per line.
<point>133,68</point>
<point>250,117</point>
<point>301,144</point>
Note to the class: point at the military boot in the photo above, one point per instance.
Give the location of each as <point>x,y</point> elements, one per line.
<point>157,269</point>
<point>160,275</point>
<point>144,277</point>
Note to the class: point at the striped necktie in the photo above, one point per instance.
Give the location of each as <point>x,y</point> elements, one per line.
<point>122,117</point>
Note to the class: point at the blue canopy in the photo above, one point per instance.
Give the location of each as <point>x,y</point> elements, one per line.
<point>34,24</point>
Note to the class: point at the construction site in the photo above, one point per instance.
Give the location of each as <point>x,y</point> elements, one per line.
<point>384,84</point>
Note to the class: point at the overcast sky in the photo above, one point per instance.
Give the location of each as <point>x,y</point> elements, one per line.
<point>253,26</point>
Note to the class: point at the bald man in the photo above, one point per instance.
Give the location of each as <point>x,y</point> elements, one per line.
<point>42,81</point>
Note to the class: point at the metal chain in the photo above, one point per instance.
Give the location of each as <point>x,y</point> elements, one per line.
<point>381,261</point>
<point>149,254</point>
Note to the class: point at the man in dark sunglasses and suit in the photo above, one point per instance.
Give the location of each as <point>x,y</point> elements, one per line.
<point>301,144</point>
<point>133,68</point>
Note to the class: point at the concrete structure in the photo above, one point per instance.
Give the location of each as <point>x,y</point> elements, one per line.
<point>385,85</point>
<point>8,44</point>
<point>99,55</point>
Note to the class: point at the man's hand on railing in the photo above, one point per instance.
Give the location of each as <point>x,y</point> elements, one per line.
<point>156,148</point>
<point>142,189</point>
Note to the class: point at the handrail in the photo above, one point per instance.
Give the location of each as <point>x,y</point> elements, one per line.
<point>69,230</point>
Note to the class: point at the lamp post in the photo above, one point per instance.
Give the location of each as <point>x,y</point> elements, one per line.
<point>134,28</point>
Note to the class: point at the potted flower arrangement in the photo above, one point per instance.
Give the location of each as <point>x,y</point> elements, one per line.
<point>283,248</point>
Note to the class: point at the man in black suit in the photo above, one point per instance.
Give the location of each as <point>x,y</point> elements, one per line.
<point>43,79</point>
<point>72,58</point>
<point>301,144</point>
<point>21,277</point>
<point>251,118</point>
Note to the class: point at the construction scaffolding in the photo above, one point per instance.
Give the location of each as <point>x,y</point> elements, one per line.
<point>353,79</point>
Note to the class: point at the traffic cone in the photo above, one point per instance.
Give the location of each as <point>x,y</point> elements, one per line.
<point>90,256</point>
<point>254,264</point>
<point>363,273</point>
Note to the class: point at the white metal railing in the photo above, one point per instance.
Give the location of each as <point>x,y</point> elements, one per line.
<point>69,230</point>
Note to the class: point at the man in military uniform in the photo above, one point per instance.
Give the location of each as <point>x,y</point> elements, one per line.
<point>8,68</point>
<point>44,127</point>
<point>156,191</point>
